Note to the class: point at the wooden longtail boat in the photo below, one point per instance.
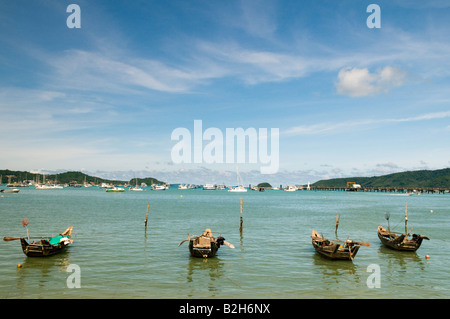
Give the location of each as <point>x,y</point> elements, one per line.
<point>47,246</point>
<point>205,245</point>
<point>400,241</point>
<point>335,249</point>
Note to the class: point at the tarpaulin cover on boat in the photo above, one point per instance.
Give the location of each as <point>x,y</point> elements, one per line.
<point>54,241</point>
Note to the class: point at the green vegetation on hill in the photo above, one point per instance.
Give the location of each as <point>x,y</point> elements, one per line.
<point>264,185</point>
<point>67,177</point>
<point>420,179</point>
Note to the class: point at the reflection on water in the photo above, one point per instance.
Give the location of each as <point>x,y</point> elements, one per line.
<point>399,257</point>
<point>205,272</point>
<point>39,272</point>
<point>399,265</point>
<point>336,272</point>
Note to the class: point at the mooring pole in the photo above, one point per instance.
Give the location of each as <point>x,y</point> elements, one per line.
<point>146,218</point>
<point>338,216</point>
<point>242,222</point>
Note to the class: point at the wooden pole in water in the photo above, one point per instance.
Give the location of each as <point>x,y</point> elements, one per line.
<point>338,216</point>
<point>146,218</point>
<point>406,219</point>
<point>242,223</point>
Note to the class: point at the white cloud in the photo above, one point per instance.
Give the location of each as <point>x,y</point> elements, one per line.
<point>356,82</point>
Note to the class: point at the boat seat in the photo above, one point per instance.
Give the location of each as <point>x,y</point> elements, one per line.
<point>203,242</point>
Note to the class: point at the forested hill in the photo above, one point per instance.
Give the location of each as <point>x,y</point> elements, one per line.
<point>67,177</point>
<point>423,178</point>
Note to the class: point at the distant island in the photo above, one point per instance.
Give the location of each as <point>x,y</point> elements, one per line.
<point>414,179</point>
<point>8,176</point>
<point>264,185</point>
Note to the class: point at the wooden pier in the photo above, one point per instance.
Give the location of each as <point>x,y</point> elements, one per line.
<point>404,190</point>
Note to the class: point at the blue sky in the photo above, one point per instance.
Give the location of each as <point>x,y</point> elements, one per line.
<point>347,100</point>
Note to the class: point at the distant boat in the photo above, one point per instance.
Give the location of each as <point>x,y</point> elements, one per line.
<point>86,184</point>
<point>105,185</point>
<point>183,186</point>
<point>335,249</point>
<point>17,185</point>
<point>209,187</point>
<point>238,189</point>
<point>400,241</point>
<point>136,188</point>
<point>159,187</point>
<point>42,186</point>
<point>205,245</point>
<point>14,190</point>
<point>115,190</point>
<point>48,186</point>
<point>291,189</point>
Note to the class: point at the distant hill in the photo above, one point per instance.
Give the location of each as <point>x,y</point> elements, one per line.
<point>68,177</point>
<point>264,185</point>
<point>423,178</point>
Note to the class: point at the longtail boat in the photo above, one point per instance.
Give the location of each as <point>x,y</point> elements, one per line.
<point>47,246</point>
<point>400,241</point>
<point>335,249</point>
<point>205,245</point>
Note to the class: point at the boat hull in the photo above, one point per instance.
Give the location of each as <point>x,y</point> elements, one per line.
<point>203,251</point>
<point>205,245</point>
<point>332,250</point>
<point>399,241</point>
<point>41,248</point>
<point>48,246</point>
<point>15,190</point>
<point>115,190</point>
<point>335,252</point>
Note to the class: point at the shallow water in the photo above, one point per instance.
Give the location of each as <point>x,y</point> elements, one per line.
<point>273,257</point>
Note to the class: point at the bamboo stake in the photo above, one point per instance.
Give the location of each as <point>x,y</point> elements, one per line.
<point>406,220</point>
<point>242,222</point>
<point>146,218</point>
<point>338,216</point>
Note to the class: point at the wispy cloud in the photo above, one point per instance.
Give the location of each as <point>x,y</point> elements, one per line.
<point>423,117</point>
<point>340,127</point>
<point>83,70</point>
<point>258,17</point>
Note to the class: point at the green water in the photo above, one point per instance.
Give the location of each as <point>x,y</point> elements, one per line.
<point>273,257</point>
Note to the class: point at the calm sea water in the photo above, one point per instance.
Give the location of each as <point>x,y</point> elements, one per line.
<point>273,257</point>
